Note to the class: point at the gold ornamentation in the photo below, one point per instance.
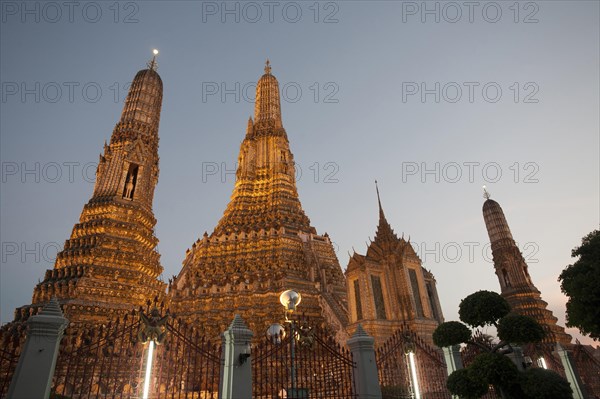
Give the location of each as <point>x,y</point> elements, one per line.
<point>154,327</point>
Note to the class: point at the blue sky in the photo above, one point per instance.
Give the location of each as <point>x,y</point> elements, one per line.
<point>432,100</point>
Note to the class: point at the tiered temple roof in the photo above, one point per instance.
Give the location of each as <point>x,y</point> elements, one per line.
<point>388,288</point>
<point>110,265</point>
<point>264,243</point>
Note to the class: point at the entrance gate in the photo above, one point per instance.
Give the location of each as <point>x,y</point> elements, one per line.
<point>110,362</point>
<point>396,373</point>
<point>305,364</point>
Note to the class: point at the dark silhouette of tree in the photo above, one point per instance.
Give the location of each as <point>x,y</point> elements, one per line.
<point>581,283</point>
<point>541,383</point>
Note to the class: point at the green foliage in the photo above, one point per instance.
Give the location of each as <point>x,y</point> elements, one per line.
<point>519,329</point>
<point>581,283</point>
<point>483,308</point>
<point>545,384</point>
<point>451,333</point>
<point>495,369</point>
<point>492,368</point>
<point>465,384</point>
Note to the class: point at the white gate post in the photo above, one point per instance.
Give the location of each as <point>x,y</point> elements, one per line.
<point>236,380</point>
<point>453,360</point>
<point>35,369</point>
<point>366,378</point>
<point>570,372</point>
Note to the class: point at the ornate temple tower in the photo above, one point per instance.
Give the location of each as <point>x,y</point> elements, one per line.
<point>515,282</point>
<point>110,265</point>
<point>264,243</point>
<point>388,287</point>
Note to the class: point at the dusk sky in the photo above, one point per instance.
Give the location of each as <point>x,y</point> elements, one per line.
<point>432,99</point>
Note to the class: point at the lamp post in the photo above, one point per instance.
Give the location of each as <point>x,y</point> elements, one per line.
<point>409,350</point>
<point>148,369</point>
<point>290,299</point>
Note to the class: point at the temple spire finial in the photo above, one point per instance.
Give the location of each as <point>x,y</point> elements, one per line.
<point>378,198</point>
<point>379,201</point>
<point>268,67</point>
<point>384,230</point>
<point>152,64</point>
<point>486,194</point>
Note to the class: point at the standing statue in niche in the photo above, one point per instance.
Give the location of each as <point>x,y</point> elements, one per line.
<point>129,188</point>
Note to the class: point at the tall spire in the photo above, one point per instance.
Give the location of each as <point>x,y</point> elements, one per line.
<point>267,109</point>
<point>110,263</point>
<point>264,241</point>
<point>512,272</point>
<point>143,103</point>
<point>496,223</point>
<point>384,230</point>
<point>128,169</point>
<point>265,193</point>
<point>381,215</point>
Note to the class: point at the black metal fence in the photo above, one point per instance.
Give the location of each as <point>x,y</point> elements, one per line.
<point>396,373</point>
<point>110,361</point>
<point>11,341</point>
<point>582,359</point>
<point>305,363</point>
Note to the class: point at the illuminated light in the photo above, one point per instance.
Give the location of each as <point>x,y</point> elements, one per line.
<point>155,52</point>
<point>413,374</point>
<point>542,363</point>
<point>290,299</point>
<point>148,370</point>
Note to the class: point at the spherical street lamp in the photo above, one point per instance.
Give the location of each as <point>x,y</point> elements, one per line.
<point>276,333</point>
<point>290,299</point>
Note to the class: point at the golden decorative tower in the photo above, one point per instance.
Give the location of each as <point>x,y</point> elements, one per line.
<point>388,287</point>
<point>110,265</point>
<point>264,243</point>
<point>515,282</point>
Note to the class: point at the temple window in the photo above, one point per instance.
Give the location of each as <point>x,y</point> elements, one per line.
<point>378,297</point>
<point>416,291</point>
<point>359,315</point>
<point>433,302</point>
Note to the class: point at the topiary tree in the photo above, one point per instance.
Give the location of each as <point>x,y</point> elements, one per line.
<point>451,333</point>
<point>519,329</point>
<point>483,308</point>
<point>486,308</point>
<point>466,385</point>
<point>541,384</point>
